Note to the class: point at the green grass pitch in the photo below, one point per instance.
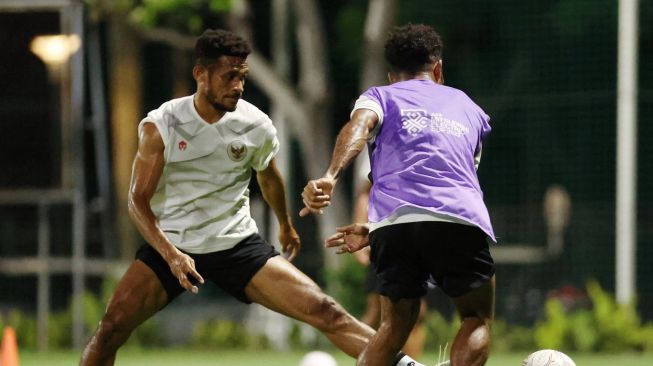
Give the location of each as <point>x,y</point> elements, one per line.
<point>189,357</point>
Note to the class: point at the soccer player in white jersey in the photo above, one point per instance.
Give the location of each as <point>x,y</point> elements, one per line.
<point>189,199</point>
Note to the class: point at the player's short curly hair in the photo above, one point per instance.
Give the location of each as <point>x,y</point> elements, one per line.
<point>410,47</point>
<point>214,43</point>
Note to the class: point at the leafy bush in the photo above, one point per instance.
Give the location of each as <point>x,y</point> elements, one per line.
<point>226,334</point>
<point>24,326</point>
<point>60,324</point>
<point>347,285</point>
<point>505,337</point>
<point>439,330</point>
<point>607,326</point>
<point>509,337</point>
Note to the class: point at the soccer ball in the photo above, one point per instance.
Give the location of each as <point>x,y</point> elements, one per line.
<point>318,358</point>
<point>548,357</point>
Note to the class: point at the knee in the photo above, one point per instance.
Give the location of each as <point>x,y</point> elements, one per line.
<point>113,328</point>
<point>327,313</point>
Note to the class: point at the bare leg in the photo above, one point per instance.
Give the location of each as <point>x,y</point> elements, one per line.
<point>281,287</point>
<point>138,296</point>
<point>415,343</point>
<point>372,315</point>
<point>397,320</point>
<point>471,346</point>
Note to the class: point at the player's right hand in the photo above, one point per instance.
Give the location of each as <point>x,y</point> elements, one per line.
<point>317,196</point>
<point>290,242</point>
<point>183,267</point>
<point>349,239</point>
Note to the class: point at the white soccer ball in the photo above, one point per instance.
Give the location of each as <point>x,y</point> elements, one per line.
<point>318,358</point>
<point>548,357</point>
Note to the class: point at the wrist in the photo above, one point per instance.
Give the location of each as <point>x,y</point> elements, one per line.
<point>285,223</point>
<point>331,175</point>
<point>167,250</point>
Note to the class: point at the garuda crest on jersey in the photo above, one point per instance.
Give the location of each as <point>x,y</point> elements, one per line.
<point>237,150</point>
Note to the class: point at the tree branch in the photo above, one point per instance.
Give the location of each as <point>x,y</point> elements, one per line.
<point>380,17</point>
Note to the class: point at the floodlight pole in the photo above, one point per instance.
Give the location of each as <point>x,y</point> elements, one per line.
<point>626,209</point>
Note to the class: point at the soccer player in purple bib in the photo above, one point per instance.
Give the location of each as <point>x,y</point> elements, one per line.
<point>427,218</point>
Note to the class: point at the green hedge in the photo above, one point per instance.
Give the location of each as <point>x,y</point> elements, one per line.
<point>602,325</point>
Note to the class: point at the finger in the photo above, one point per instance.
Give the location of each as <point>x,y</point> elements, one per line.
<point>186,284</point>
<point>315,207</point>
<point>196,275</point>
<point>318,204</point>
<point>290,250</point>
<point>342,250</point>
<point>324,197</point>
<point>313,200</point>
<point>315,188</point>
<point>334,243</point>
<point>308,209</point>
<point>335,240</point>
<point>291,253</point>
<point>335,236</point>
<point>346,229</point>
<point>311,190</point>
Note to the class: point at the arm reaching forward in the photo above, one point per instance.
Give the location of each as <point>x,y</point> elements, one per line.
<point>349,239</point>
<point>350,142</point>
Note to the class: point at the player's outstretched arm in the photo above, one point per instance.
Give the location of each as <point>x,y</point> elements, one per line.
<point>274,193</point>
<point>146,172</point>
<point>350,142</point>
<point>349,239</point>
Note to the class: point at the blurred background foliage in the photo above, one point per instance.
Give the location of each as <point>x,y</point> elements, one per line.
<point>591,323</point>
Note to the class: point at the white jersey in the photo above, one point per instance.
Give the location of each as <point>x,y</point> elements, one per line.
<point>202,200</point>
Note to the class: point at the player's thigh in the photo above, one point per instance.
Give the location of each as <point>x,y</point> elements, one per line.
<point>479,302</point>
<point>399,268</point>
<point>138,295</point>
<point>282,287</point>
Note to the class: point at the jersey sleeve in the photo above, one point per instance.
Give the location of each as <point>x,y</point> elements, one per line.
<point>372,101</point>
<point>485,125</point>
<point>484,131</point>
<point>268,149</point>
<point>157,117</point>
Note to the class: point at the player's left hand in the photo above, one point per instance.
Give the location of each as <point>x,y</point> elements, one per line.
<point>349,239</point>
<point>290,242</point>
<point>317,196</point>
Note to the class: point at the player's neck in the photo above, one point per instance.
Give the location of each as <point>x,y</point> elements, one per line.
<point>418,76</point>
<point>405,76</point>
<point>205,110</point>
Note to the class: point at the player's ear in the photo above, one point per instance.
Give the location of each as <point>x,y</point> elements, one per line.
<point>438,73</point>
<point>392,78</point>
<point>199,73</point>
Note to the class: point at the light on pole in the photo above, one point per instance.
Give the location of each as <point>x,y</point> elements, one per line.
<point>55,52</point>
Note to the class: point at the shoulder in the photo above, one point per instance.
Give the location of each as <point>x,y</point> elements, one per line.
<point>150,139</point>
<point>172,110</point>
<point>250,116</point>
<point>175,105</point>
<point>374,92</point>
<point>464,99</point>
<point>249,111</point>
<point>168,115</point>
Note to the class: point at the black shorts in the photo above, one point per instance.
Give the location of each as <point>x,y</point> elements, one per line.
<point>405,256</point>
<point>370,279</point>
<point>230,269</point>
